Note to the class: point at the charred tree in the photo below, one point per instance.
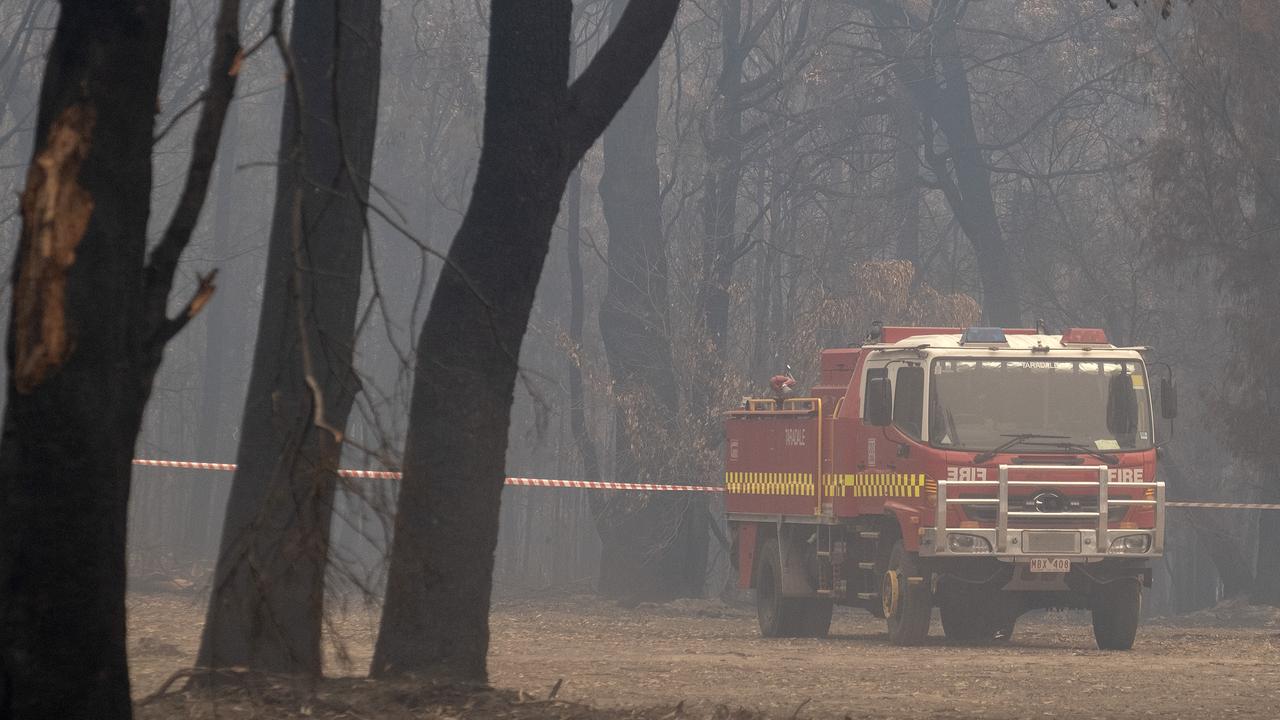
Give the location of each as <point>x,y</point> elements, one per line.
<point>537,127</point>
<point>927,61</point>
<point>87,335</point>
<point>723,175</point>
<point>266,610</point>
<point>650,546</point>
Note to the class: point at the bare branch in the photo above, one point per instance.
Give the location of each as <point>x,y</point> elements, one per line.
<point>604,86</point>
<point>163,261</point>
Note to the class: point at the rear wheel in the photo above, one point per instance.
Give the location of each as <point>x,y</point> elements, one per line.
<point>1116,606</point>
<point>905,598</point>
<point>782,616</point>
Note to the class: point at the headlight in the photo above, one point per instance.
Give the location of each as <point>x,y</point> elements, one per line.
<point>966,543</point>
<point>1131,544</point>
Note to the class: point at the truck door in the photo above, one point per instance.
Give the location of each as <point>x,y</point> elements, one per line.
<point>890,465</point>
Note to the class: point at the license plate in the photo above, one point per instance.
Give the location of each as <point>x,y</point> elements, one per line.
<point>1050,565</point>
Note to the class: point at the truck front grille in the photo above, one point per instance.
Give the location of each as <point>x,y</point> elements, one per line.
<point>1061,504</point>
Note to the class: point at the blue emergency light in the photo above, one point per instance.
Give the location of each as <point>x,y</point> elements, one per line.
<point>983,336</point>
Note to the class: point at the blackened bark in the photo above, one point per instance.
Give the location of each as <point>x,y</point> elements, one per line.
<point>971,198</point>
<point>724,147</point>
<point>934,74</point>
<point>536,129</point>
<point>641,558</point>
<point>266,610</point>
<point>86,337</point>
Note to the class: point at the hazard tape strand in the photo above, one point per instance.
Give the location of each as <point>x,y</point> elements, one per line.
<point>1222,505</point>
<point>598,485</point>
<point>392,475</point>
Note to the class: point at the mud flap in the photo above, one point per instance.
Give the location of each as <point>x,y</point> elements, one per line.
<point>794,551</point>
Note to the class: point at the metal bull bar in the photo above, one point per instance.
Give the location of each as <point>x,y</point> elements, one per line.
<point>936,541</point>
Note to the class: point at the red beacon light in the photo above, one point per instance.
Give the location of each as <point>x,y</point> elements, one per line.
<point>1085,336</point>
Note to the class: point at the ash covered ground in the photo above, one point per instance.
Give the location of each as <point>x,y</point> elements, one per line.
<point>704,659</point>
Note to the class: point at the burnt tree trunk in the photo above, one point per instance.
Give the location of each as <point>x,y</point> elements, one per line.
<point>640,558</point>
<point>266,610</point>
<point>537,126</point>
<point>87,334</point>
<point>934,73</point>
<point>724,149</point>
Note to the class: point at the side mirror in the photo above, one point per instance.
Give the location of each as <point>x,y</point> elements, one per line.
<point>1168,399</point>
<point>1122,405</point>
<point>879,402</point>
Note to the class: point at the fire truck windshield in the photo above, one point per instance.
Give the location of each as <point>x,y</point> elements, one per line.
<point>978,404</point>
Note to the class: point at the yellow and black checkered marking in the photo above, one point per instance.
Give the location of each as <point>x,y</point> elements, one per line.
<point>874,485</point>
<point>769,483</point>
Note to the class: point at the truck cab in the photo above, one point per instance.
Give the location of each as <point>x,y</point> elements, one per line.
<point>986,471</point>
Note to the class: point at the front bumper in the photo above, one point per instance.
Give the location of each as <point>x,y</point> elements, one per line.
<point>1022,545</point>
<point>1013,544</point>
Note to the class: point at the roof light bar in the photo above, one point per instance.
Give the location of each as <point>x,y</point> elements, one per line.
<point>983,336</point>
<point>1085,336</point>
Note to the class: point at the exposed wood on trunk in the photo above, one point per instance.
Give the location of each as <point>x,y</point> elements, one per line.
<point>55,215</point>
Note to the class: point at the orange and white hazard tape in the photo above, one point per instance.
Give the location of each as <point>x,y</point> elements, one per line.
<point>231,467</point>
<point>1228,506</point>
<point>595,485</point>
<point>185,464</point>
<point>589,485</point>
<point>392,475</point>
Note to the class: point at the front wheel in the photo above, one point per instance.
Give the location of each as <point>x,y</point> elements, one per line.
<point>1116,606</point>
<point>905,598</point>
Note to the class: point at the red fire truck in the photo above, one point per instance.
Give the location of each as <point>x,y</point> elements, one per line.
<point>984,471</point>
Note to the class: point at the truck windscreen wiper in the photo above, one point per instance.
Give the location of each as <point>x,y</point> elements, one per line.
<point>1014,440</point>
<point>1107,458</point>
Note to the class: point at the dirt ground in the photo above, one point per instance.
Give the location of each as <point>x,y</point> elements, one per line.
<point>689,657</point>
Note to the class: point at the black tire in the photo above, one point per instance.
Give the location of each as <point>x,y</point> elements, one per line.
<point>778,616</point>
<point>1116,607</point>
<point>786,617</point>
<point>908,618</point>
<point>977,615</point>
